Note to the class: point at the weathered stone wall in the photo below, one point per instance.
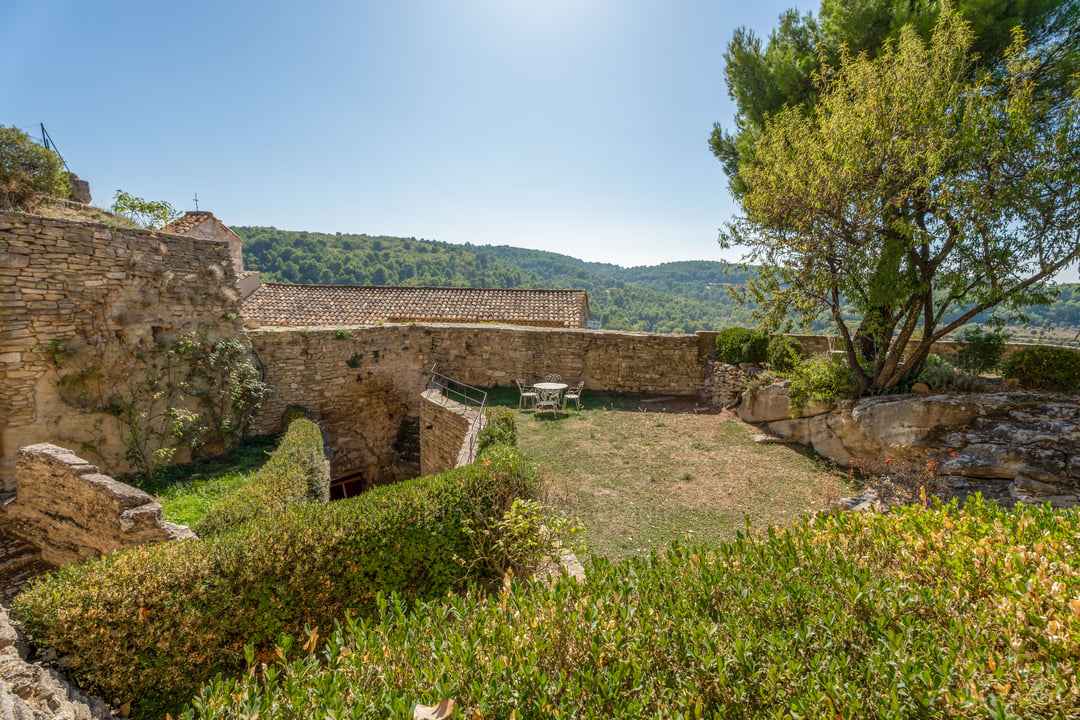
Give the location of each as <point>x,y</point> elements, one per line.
<point>448,433</point>
<point>65,507</point>
<point>361,383</point>
<point>55,276</point>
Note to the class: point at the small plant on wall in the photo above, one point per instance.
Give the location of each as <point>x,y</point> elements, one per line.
<point>164,393</point>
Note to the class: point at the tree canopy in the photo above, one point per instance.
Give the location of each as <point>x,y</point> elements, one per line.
<point>916,182</point>
<point>762,79</point>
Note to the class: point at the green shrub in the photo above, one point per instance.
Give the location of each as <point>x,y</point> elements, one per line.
<point>980,351</point>
<point>821,378</point>
<point>28,171</point>
<point>152,624</point>
<point>784,353</point>
<point>296,473</point>
<point>944,377</point>
<point>919,613</point>
<point>501,429</point>
<point>1048,368</point>
<point>741,345</point>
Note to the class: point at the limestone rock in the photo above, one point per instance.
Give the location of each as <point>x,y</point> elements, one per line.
<point>773,402</point>
<point>80,189</point>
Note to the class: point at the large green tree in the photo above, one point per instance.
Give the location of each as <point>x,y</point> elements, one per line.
<point>763,78</point>
<point>915,183</point>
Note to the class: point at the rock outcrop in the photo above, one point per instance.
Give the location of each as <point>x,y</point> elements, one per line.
<point>1029,440</point>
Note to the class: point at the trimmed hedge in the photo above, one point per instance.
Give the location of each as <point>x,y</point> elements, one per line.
<point>296,474</point>
<point>1049,368</point>
<point>942,613</point>
<point>151,625</point>
<point>741,345</point>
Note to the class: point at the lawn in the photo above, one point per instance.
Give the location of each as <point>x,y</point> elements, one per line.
<point>187,491</point>
<point>642,474</point>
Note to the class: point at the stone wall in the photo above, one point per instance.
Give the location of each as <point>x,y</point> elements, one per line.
<point>448,432</point>
<point>59,275</point>
<point>361,383</point>
<point>65,507</point>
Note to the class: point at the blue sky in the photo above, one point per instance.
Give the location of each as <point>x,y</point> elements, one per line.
<point>576,126</point>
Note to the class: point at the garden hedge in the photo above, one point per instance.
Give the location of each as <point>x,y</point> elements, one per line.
<point>151,625</point>
<point>942,613</point>
<point>296,474</point>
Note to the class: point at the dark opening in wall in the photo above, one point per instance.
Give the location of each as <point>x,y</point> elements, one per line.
<point>407,447</point>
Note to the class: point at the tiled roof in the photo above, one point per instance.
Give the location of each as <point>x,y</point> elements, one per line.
<point>184,225</point>
<point>277,304</point>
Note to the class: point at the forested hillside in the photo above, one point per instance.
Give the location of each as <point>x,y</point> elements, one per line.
<point>670,297</point>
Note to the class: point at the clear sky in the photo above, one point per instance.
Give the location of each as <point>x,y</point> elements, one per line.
<point>576,126</point>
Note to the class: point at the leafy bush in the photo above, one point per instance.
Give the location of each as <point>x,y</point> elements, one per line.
<point>153,623</point>
<point>296,474</point>
<point>27,171</point>
<point>821,378</point>
<point>529,537</point>
<point>501,429</point>
<point>944,377</point>
<point>980,351</point>
<point>1049,368</point>
<point>151,214</point>
<point>784,353</point>
<point>741,345</point>
<point>942,613</point>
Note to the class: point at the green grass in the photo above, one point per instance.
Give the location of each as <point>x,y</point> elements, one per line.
<point>187,491</point>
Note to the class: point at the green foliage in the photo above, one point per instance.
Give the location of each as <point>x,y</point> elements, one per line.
<point>163,393</point>
<point>151,214</point>
<point>297,473</point>
<point>980,351</point>
<point>187,491</point>
<point>1050,368</point>
<point>27,171</point>
<point>741,345</point>
<point>942,613</point>
<point>943,377</point>
<point>529,539</point>
<point>501,429</point>
<point>784,353</point>
<point>821,378</point>
<point>915,187</point>
<point>153,623</point>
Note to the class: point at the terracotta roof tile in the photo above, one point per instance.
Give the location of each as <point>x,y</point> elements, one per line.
<point>184,225</point>
<point>278,304</point>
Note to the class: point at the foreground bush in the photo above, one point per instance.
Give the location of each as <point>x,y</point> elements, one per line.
<point>741,345</point>
<point>153,624</point>
<point>920,613</point>
<point>1048,368</point>
<point>296,474</point>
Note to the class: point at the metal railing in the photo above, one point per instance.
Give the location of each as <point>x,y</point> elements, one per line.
<point>467,395</point>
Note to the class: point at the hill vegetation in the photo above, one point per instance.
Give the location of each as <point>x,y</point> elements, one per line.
<point>671,297</point>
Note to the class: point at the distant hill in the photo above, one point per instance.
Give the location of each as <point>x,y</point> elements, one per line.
<point>671,297</point>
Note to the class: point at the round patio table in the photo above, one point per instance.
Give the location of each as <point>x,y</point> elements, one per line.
<point>550,392</point>
<point>551,387</point>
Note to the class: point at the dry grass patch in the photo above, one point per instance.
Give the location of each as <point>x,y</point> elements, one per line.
<point>640,480</point>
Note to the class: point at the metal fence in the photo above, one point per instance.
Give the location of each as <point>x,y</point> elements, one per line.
<point>467,395</point>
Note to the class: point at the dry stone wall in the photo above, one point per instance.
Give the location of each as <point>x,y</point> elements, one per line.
<point>361,383</point>
<point>448,433</point>
<point>55,275</point>
<point>71,512</point>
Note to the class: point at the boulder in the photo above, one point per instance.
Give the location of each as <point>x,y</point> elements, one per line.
<point>773,402</point>
<point>80,189</point>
